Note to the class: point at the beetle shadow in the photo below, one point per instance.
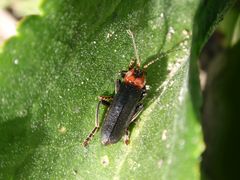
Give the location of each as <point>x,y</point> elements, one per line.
<point>156,74</point>
<point>155,77</point>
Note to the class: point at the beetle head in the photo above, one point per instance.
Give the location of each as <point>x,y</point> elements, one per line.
<point>135,77</point>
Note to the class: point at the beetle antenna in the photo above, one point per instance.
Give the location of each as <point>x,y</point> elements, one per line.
<point>162,55</point>
<point>134,46</point>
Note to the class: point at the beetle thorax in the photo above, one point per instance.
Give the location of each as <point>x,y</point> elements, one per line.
<point>135,77</point>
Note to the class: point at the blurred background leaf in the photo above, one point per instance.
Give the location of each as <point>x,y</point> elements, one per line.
<point>220,114</point>
<point>21,7</point>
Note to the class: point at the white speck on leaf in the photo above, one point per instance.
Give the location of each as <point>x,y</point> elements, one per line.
<point>186,34</point>
<point>110,34</point>
<point>164,135</point>
<point>171,31</point>
<point>181,95</point>
<point>168,146</point>
<point>160,163</point>
<point>62,129</point>
<point>104,160</point>
<point>16,61</point>
<point>169,161</point>
<point>181,144</point>
<point>22,113</point>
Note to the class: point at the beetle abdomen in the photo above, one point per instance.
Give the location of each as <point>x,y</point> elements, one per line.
<point>120,113</point>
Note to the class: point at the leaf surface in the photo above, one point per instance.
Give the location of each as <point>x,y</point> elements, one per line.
<point>52,72</point>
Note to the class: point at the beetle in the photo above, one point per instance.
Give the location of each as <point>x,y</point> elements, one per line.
<point>125,106</point>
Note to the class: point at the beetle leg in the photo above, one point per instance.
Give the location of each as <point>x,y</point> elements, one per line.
<point>95,129</point>
<point>144,93</point>
<point>105,100</point>
<point>139,109</point>
<point>127,137</point>
<point>123,73</point>
<point>127,132</point>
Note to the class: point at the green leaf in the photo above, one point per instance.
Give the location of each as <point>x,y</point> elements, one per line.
<point>53,71</point>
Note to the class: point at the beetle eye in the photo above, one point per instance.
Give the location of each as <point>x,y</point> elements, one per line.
<point>138,73</point>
